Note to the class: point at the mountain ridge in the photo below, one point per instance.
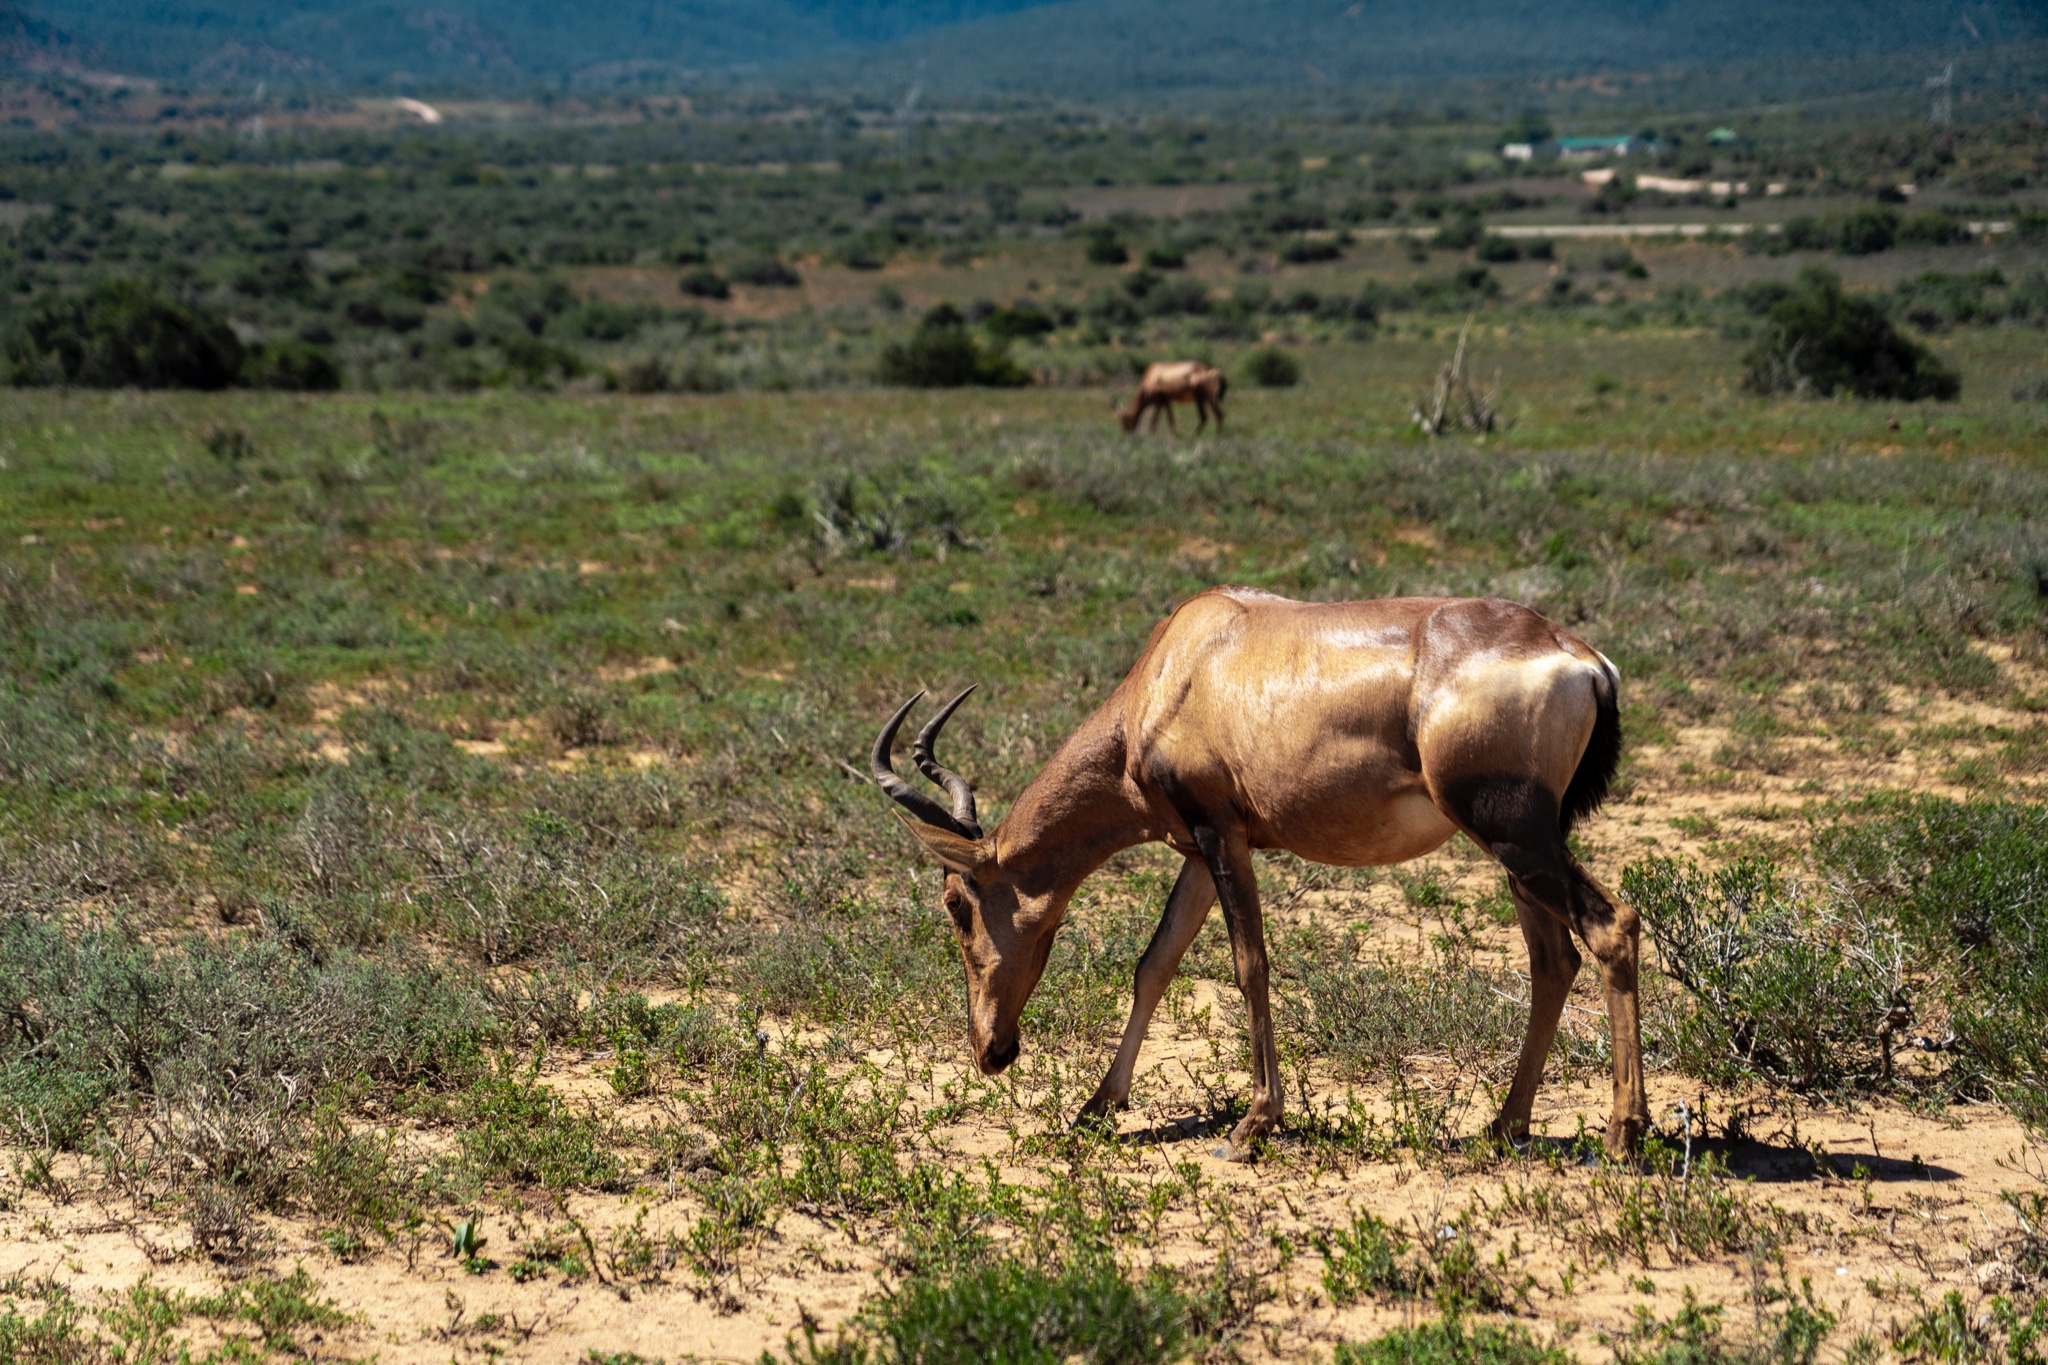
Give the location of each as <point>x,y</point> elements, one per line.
<point>1079,48</point>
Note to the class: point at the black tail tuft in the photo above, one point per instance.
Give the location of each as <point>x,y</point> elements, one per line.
<point>1596,766</point>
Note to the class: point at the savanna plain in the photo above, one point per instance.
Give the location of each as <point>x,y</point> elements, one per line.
<point>444,913</point>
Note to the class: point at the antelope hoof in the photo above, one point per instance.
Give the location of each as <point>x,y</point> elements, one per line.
<point>1625,1135</point>
<point>1242,1138</point>
<point>1509,1132</point>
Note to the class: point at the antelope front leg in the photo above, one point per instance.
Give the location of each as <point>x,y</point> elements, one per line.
<point>1187,909</point>
<point>1553,964</point>
<point>1237,887</point>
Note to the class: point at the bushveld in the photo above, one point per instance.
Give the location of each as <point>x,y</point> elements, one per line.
<point>441,920</point>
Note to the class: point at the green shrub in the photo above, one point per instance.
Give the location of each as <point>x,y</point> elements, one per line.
<point>1272,368</point>
<point>1819,339</point>
<point>1866,231</point>
<point>1933,228</point>
<point>1309,250</point>
<point>1106,248</point>
<point>1025,318</point>
<point>1784,987</point>
<point>1496,248</point>
<point>123,332</point>
<point>515,1129</point>
<point>943,354</point>
<point>288,363</point>
<point>1460,234</point>
<point>766,272</point>
<point>1014,1314</point>
<point>1452,1341</point>
<point>1165,257</point>
<point>1968,882</point>
<point>704,283</point>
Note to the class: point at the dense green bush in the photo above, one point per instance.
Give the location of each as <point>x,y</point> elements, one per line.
<point>766,272</point>
<point>1821,340</point>
<point>943,354</point>
<point>1866,231</point>
<point>1309,250</point>
<point>288,363</point>
<point>1008,1313</point>
<point>1968,884</point>
<point>704,283</point>
<point>1452,1341</point>
<point>123,332</point>
<point>1785,987</point>
<point>1272,368</point>
<point>1025,318</point>
<point>1106,248</point>
<point>1933,228</point>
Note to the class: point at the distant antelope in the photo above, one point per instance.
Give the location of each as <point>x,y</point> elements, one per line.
<point>1181,381</point>
<point>1353,733</point>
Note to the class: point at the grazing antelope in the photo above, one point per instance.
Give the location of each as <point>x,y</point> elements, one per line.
<point>1182,381</point>
<point>1350,733</point>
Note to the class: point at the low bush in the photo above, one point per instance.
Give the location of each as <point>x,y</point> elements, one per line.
<point>1866,231</point>
<point>1025,318</point>
<point>704,283</point>
<point>1106,248</point>
<point>1821,340</point>
<point>1309,250</point>
<point>120,333</point>
<point>1015,1314</point>
<point>766,272</point>
<point>1496,248</point>
<point>1784,986</point>
<point>1933,228</point>
<point>1272,368</point>
<point>1452,1341</point>
<point>288,363</point>
<point>943,354</point>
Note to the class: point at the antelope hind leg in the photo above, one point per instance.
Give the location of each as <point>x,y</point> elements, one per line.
<point>1187,909</point>
<point>1516,820</point>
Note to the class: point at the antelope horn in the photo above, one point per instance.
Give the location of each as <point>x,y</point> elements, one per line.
<point>901,792</point>
<point>956,786</point>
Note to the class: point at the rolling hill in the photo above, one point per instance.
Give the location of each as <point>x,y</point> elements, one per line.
<point>1078,48</point>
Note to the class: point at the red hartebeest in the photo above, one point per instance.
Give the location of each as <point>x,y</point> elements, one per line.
<point>1350,733</point>
<point>1181,381</point>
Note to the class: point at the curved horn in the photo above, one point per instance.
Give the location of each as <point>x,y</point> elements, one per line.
<point>956,786</point>
<point>899,791</point>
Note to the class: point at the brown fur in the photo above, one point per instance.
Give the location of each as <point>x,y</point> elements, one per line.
<point>1180,381</point>
<point>1353,733</point>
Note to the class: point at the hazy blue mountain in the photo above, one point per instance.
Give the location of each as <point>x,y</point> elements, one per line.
<point>1084,48</point>
<point>471,41</point>
<point>1080,46</point>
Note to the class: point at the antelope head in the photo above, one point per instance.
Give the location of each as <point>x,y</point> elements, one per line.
<point>1005,930</point>
<point>1128,417</point>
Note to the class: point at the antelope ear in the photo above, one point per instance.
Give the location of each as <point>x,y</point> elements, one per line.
<point>956,851</point>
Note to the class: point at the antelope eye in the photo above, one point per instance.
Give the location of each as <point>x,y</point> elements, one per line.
<point>956,905</point>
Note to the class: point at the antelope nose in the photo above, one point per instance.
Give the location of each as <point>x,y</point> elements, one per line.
<point>998,1056</point>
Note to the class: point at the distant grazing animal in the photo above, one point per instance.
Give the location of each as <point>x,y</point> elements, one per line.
<point>1355,734</point>
<point>1180,381</point>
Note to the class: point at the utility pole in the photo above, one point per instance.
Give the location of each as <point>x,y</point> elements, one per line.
<point>1944,106</point>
